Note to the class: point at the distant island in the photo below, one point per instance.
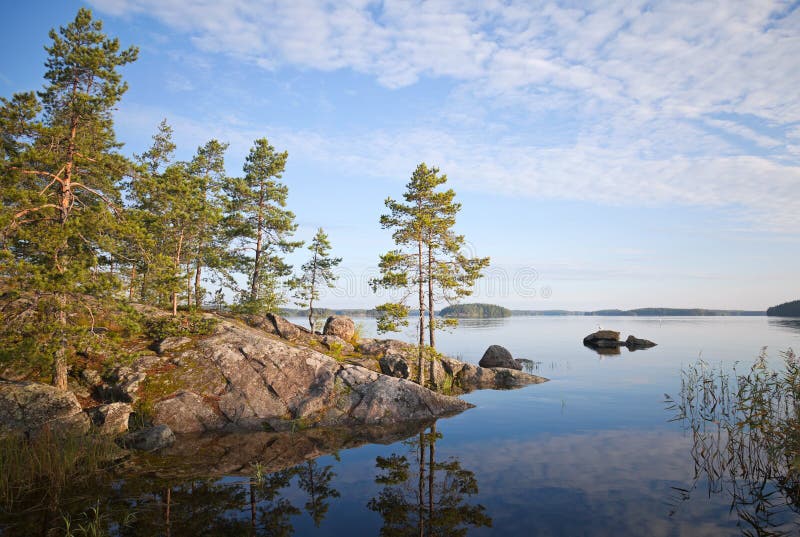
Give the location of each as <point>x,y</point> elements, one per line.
<point>487,311</point>
<point>787,309</point>
<point>644,312</point>
<point>475,311</point>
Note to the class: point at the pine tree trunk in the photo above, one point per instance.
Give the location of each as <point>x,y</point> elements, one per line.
<point>198,292</point>
<point>420,274</point>
<point>431,321</point>
<point>256,276</point>
<point>60,362</point>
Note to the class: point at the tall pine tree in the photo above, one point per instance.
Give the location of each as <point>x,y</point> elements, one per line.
<point>261,227</point>
<point>60,178</point>
<point>429,257</point>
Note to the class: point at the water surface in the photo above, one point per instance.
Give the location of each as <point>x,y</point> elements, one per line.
<point>591,453</point>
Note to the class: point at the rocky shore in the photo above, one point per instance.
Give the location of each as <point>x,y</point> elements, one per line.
<point>263,374</point>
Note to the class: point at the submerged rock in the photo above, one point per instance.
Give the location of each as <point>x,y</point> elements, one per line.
<point>32,407</point>
<point>497,356</point>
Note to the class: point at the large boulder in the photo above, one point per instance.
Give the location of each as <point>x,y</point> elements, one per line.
<point>602,338</point>
<point>241,377</point>
<point>340,326</point>
<point>32,407</point>
<point>149,439</point>
<point>287,329</point>
<point>382,347</point>
<point>337,344</point>
<point>395,366</point>
<point>111,418</point>
<point>497,356</point>
<point>187,412</point>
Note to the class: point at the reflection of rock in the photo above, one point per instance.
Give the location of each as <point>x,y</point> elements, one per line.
<point>149,439</point>
<point>340,326</point>
<point>497,356</point>
<point>31,407</point>
<point>234,453</point>
<point>634,343</point>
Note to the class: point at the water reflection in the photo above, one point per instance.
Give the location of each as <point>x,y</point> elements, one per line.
<point>239,483</point>
<point>745,431</point>
<point>785,323</point>
<point>425,497</point>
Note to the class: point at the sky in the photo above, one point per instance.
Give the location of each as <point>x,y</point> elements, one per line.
<point>606,154</point>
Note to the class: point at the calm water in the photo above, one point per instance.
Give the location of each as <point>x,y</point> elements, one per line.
<point>592,452</point>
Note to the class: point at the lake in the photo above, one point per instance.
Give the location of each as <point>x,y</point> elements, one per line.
<point>593,452</point>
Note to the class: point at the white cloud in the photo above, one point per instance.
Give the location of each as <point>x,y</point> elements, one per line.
<point>639,78</point>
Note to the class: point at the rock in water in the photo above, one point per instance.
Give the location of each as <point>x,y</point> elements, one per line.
<point>340,326</point>
<point>634,343</point>
<point>497,356</point>
<point>149,439</point>
<point>602,338</point>
<point>31,407</point>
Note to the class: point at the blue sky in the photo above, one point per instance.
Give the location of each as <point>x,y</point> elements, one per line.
<point>608,154</point>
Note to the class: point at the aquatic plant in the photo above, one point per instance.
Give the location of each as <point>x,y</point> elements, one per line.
<point>745,430</point>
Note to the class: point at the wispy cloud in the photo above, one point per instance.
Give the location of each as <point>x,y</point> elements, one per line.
<point>656,90</point>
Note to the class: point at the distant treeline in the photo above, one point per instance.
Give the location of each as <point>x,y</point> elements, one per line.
<point>475,311</point>
<point>787,309</point>
<point>644,312</point>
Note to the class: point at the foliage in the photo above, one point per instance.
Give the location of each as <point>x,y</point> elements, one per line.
<point>60,176</point>
<point>43,466</point>
<point>429,259</point>
<point>315,272</point>
<point>193,324</point>
<point>475,311</point>
<point>787,309</point>
<point>746,437</point>
<point>259,222</point>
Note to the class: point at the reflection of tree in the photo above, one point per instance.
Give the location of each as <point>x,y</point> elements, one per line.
<point>270,513</point>
<point>426,498</point>
<point>745,440</point>
<point>315,481</point>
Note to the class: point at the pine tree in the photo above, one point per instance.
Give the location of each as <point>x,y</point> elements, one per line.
<point>165,200</point>
<point>261,227</point>
<point>210,239</point>
<point>60,177</point>
<point>429,259</point>
<point>317,271</point>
